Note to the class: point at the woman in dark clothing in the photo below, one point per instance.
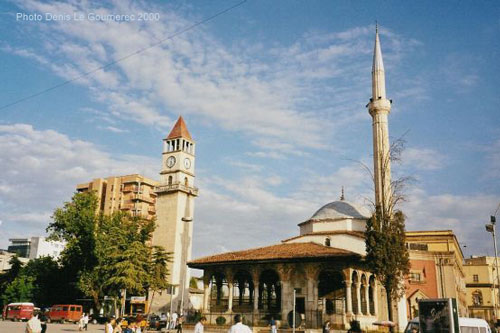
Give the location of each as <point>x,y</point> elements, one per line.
<point>43,321</point>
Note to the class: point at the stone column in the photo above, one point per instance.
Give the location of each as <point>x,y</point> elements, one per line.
<point>206,292</point>
<point>256,295</point>
<point>367,297</point>
<point>285,273</point>
<point>311,299</point>
<point>375,298</point>
<point>358,297</point>
<point>348,297</point>
<point>230,298</point>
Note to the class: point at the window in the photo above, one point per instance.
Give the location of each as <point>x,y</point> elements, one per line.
<point>475,278</point>
<point>65,308</point>
<point>418,246</point>
<point>477,298</point>
<point>415,277</point>
<point>328,242</point>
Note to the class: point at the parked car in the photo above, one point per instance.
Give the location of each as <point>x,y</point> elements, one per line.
<point>157,323</point>
<point>65,312</point>
<point>467,325</point>
<point>18,311</point>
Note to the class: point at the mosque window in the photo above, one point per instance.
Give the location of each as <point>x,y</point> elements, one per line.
<point>328,242</point>
<point>169,180</point>
<point>477,298</point>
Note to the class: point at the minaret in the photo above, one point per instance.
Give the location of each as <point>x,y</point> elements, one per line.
<point>174,213</point>
<point>379,108</point>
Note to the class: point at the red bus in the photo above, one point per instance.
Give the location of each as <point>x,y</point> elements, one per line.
<point>65,312</point>
<point>18,311</point>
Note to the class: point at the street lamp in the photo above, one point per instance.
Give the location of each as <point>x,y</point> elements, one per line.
<point>491,228</point>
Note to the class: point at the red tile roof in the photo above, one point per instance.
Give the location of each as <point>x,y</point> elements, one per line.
<point>179,130</point>
<point>286,251</point>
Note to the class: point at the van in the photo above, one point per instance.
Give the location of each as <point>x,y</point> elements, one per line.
<point>467,325</point>
<point>65,312</point>
<point>18,311</point>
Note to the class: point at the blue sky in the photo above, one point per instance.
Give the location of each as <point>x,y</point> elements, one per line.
<point>273,92</point>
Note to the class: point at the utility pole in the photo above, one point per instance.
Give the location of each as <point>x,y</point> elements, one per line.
<point>491,228</point>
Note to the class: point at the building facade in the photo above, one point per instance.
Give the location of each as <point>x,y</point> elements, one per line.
<point>175,207</point>
<point>437,269</point>
<point>131,193</point>
<point>35,247</point>
<point>322,271</point>
<point>5,258</point>
<point>482,288</point>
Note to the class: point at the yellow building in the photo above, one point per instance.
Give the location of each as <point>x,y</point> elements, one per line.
<point>482,289</point>
<point>131,193</point>
<point>437,269</point>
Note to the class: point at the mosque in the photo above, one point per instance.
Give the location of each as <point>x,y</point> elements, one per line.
<point>322,271</point>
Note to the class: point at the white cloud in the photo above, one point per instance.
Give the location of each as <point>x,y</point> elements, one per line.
<point>423,158</point>
<point>41,169</point>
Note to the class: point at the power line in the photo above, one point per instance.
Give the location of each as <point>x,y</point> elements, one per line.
<point>161,41</point>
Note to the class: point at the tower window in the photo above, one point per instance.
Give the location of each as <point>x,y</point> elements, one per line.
<point>169,180</point>
<point>186,183</point>
<point>328,242</point>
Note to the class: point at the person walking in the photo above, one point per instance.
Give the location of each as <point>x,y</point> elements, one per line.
<point>239,327</point>
<point>272,323</point>
<point>200,326</point>
<point>326,327</point>
<point>85,321</point>
<point>179,323</point>
<point>173,321</point>
<point>108,328</point>
<point>34,325</point>
<point>43,321</point>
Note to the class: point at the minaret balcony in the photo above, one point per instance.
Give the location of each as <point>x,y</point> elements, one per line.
<point>177,187</point>
<point>378,105</point>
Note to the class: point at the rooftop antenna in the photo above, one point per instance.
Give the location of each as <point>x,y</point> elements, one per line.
<point>342,197</point>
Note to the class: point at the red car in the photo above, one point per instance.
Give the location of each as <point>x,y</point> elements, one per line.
<point>65,312</point>
<point>18,311</point>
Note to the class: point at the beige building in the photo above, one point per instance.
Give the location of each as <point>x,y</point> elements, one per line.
<point>132,193</point>
<point>437,269</point>
<point>175,207</point>
<point>482,288</point>
<point>5,257</point>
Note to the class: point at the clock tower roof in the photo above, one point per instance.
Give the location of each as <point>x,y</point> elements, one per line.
<point>179,130</point>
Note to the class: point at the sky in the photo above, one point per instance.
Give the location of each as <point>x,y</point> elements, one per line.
<point>273,92</point>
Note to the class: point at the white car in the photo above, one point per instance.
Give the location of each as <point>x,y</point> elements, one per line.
<point>467,325</point>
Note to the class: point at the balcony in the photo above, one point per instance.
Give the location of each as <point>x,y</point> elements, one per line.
<point>177,187</point>
<point>145,198</point>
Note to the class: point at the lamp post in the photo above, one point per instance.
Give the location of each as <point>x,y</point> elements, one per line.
<point>491,228</point>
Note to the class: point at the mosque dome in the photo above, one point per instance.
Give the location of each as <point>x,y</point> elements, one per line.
<point>341,209</point>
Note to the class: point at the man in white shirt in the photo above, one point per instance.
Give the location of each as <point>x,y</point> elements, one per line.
<point>239,327</point>
<point>198,328</point>
<point>173,321</point>
<point>34,325</point>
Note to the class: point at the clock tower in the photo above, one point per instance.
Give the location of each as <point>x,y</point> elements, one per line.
<point>174,213</point>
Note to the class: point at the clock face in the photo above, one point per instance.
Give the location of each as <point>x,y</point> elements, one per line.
<point>170,161</point>
<point>187,163</point>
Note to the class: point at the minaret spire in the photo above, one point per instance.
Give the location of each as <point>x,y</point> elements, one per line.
<point>379,108</point>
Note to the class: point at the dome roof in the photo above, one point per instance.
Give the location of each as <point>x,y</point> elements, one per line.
<point>341,209</point>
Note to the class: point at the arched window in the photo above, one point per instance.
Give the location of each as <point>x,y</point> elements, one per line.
<point>169,180</point>
<point>243,292</point>
<point>219,292</point>
<point>331,292</point>
<point>477,297</point>
<point>186,183</point>
<point>270,292</point>
<point>328,241</point>
<point>354,296</point>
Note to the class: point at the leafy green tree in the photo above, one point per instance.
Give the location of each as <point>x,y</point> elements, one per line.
<point>46,276</point>
<point>158,272</point>
<point>9,276</point>
<point>387,255</point>
<point>19,290</point>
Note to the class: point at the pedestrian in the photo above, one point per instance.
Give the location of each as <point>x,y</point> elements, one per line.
<point>34,325</point>
<point>118,326</point>
<point>272,323</point>
<point>108,327</point>
<point>326,327</point>
<point>239,327</point>
<point>173,321</point>
<point>43,321</point>
<point>85,321</point>
<point>355,327</point>
<point>200,326</point>
<point>179,324</point>
<point>80,322</point>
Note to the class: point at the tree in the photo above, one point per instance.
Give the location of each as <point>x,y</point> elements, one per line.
<point>9,276</point>
<point>158,272</point>
<point>387,255</point>
<point>46,277</point>
<point>19,290</point>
